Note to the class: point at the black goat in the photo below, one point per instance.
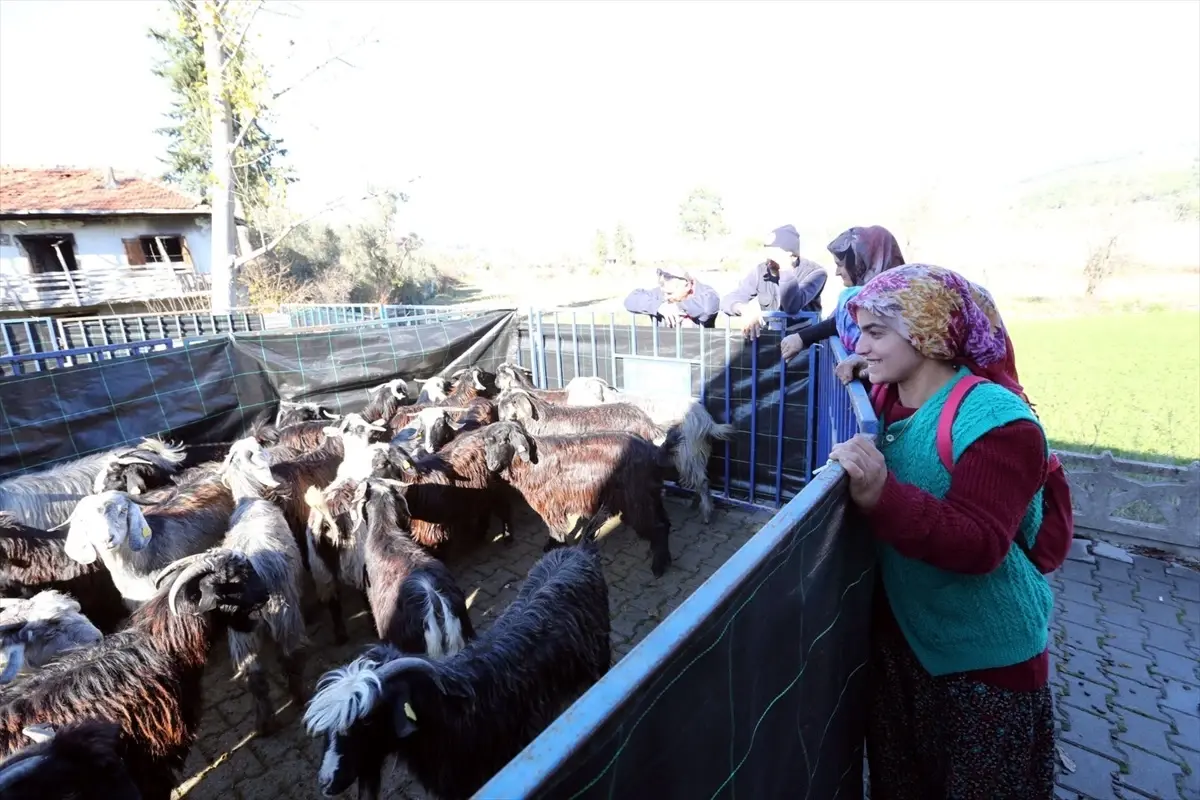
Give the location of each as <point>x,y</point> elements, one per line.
<point>81,761</point>
<point>146,678</point>
<point>291,413</point>
<point>457,721</point>
<point>384,400</point>
<point>567,478</point>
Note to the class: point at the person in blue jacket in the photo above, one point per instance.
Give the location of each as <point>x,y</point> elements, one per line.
<point>782,282</point>
<point>679,299</point>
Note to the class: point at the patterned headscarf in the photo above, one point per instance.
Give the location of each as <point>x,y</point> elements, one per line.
<point>866,252</point>
<point>945,317</point>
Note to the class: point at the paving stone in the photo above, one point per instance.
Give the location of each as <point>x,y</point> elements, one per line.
<point>1084,728</point>
<point>1187,730</point>
<point>1116,592</point>
<point>1110,570</point>
<point>1122,615</point>
<point>1151,775</point>
<point>1081,551</point>
<point>1093,775</point>
<point>1132,640</point>
<point>1182,696</point>
<point>1175,666</point>
<point>1104,550</point>
<point>1084,593</point>
<point>1167,612</point>
<point>1139,698</point>
<point>1076,613</point>
<point>1090,666</point>
<point>1191,609</point>
<point>1152,568</point>
<point>1079,571</point>
<point>1135,666</point>
<point>1145,732</point>
<point>1173,640</point>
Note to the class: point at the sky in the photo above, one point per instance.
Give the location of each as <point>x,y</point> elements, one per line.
<point>532,124</point>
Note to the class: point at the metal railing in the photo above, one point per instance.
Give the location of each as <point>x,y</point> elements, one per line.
<point>60,359</point>
<point>125,328</point>
<point>644,689</point>
<point>842,410</point>
<point>97,285</point>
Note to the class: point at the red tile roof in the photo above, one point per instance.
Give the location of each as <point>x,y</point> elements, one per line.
<point>84,191</point>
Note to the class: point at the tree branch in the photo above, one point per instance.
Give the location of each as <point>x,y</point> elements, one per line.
<point>271,245</point>
<point>229,58</point>
<point>249,123</point>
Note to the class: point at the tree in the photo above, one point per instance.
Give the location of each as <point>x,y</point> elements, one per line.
<point>259,173</point>
<point>623,244</point>
<point>386,267</point>
<point>702,215</point>
<point>600,247</point>
<point>223,27</point>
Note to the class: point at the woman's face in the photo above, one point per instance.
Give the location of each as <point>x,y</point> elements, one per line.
<point>890,358</point>
<point>843,272</point>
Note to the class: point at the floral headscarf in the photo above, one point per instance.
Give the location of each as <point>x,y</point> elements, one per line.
<point>945,317</point>
<point>865,252</point>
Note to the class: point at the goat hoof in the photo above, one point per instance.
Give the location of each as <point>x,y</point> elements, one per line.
<point>267,727</point>
<point>659,565</point>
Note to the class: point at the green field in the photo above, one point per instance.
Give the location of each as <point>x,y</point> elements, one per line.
<point>1129,383</point>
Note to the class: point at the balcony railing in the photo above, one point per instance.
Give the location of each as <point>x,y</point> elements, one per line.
<point>94,286</point>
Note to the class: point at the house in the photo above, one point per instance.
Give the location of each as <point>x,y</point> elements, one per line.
<point>88,237</point>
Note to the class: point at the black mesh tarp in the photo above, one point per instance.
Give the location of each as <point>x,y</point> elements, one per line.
<point>763,695</point>
<point>210,391</point>
<point>749,396</point>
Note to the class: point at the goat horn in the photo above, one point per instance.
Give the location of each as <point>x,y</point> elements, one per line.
<point>407,664</point>
<point>39,732</point>
<point>199,566</point>
<point>331,415</point>
<point>12,775</point>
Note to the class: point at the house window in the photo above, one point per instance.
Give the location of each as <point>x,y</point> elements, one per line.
<point>49,253</point>
<point>166,249</point>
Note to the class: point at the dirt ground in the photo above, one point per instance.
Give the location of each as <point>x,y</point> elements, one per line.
<point>229,762</point>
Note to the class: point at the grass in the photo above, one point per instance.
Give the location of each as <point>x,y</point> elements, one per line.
<point>1127,382</point>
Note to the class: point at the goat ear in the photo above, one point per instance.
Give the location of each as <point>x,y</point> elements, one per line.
<point>527,401</point>
<point>404,719</point>
<point>524,447</point>
<point>77,547</point>
<point>138,529</point>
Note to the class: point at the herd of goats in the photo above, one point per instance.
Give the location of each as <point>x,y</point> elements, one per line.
<point>119,570</point>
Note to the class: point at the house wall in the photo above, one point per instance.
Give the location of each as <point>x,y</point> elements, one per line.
<point>98,241</point>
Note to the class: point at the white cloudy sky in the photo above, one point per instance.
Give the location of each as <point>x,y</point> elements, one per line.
<point>537,122</point>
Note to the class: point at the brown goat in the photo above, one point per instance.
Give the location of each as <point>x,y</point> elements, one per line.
<point>566,479</point>
<point>540,418</point>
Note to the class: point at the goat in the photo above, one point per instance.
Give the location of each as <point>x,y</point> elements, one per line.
<point>434,390</point>
<point>258,531</point>
<point>416,603</point>
<point>384,400</point>
<point>547,419</point>
<point>698,429</point>
<point>33,561</point>
<point>291,413</point>
<point>45,499</point>
<point>79,761</point>
<point>455,722</point>
<point>469,383</point>
<point>137,469</point>
<point>304,438</point>
<point>510,377</point>
<point>135,544</point>
<point>567,478</point>
<point>428,431</point>
<point>147,677</point>
<point>38,629</point>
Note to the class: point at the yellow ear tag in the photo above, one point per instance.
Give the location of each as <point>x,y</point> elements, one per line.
<point>146,532</point>
<point>408,712</point>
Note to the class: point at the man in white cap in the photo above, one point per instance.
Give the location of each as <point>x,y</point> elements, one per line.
<point>678,300</point>
<point>782,282</point>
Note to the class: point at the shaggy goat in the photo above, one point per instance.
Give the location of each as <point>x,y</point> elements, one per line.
<point>384,401</point>
<point>32,561</point>
<point>567,478</point>
<point>291,413</point>
<point>456,722</point>
<point>138,469</point>
<point>80,761</point>
<point>38,629</point>
<point>147,677</point>
<point>510,377</point>
<point>698,430</point>
<point>469,383</point>
<point>547,419</point>
<point>434,390</point>
<point>45,499</point>
<point>135,544</point>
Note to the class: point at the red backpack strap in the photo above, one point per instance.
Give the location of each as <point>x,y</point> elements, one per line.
<point>946,421</point>
<point>878,394</point>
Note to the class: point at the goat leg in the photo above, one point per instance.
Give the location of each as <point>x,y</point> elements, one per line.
<point>370,778</point>
<point>659,548</point>
<point>334,604</point>
<point>293,671</point>
<point>260,690</point>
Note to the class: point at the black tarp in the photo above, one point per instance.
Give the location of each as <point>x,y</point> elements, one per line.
<point>756,687</point>
<point>752,389</point>
<point>208,392</point>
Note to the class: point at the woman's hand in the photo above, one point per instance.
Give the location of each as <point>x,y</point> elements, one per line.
<point>850,369</point>
<point>865,467</point>
<point>790,346</point>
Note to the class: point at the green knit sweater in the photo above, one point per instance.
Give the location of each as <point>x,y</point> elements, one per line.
<point>954,622</point>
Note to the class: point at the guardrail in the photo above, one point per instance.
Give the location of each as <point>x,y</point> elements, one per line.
<point>96,285</point>
<point>37,362</point>
<point>842,411</point>
<point>722,695</point>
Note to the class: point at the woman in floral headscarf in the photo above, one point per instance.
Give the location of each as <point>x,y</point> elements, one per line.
<point>860,254</point>
<point>961,706</point>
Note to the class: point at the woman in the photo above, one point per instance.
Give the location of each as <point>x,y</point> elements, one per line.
<point>860,255</point>
<point>961,705</point>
